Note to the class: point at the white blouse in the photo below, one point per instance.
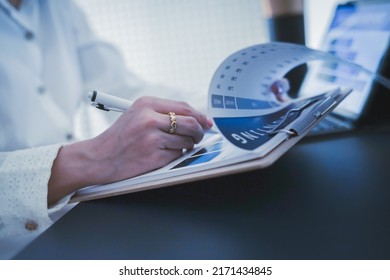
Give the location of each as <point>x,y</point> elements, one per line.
<point>49,60</point>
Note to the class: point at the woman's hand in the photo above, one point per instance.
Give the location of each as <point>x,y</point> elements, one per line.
<point>138,142</point>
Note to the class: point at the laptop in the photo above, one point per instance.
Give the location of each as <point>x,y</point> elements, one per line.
<point>359,32</point>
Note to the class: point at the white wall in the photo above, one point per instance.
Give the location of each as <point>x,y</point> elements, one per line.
<point>177,42</point>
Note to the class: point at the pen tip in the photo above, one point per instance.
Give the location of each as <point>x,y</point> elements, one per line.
<point>92,95</point>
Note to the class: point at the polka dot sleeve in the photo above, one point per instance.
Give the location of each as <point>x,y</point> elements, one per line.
<point>24,177</point>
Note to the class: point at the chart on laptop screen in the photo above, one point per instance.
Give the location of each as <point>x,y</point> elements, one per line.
<point>360,33</point>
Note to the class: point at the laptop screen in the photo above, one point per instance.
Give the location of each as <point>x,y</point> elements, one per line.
<point>359,32</point>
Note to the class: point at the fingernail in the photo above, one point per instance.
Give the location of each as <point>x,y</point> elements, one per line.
<point>209,123</point>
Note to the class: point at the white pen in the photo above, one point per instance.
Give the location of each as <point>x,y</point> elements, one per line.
<point>108,102</point>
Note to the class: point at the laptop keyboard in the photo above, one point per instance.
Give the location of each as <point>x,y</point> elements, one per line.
<point>330,124</point>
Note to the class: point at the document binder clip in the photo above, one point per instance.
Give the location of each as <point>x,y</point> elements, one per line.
<point>326,102</point>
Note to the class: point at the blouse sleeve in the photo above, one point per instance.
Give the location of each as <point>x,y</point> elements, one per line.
<point>24,177</point>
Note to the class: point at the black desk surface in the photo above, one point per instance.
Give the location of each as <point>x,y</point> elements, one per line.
<point>324,199</point>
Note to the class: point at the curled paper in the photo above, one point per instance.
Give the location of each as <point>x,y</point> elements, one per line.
<point>240,89</point>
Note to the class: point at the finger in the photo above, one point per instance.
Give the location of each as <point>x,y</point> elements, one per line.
<point>188,126</point>
<point>176,142</point>
<point>185,126</point>
<point>164,106</point>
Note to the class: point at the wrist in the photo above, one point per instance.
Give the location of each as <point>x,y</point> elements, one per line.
<point>76,166</point>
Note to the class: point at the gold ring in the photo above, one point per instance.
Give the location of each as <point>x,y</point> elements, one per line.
<point>172,118</point>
